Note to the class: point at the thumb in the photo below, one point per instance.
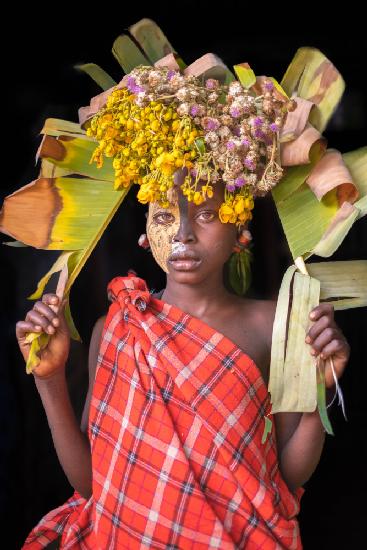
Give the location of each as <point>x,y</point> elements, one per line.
<point>63,327</point>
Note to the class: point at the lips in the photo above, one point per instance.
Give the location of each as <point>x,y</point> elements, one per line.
<point>184,261</point>
<point>182,256</point>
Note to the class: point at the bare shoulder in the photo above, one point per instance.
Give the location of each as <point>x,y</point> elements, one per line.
<point>261,314</point>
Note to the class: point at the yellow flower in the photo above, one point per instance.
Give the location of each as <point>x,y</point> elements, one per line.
<point>249,203</point>
<point>198,198</point>
<point>121,181</point>
<point>239,205</point>
<point>226,213</point>
<point>166,163</point>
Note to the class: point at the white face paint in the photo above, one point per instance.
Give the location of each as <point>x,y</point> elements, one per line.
<point>178,247</point>
<point>161,236</point>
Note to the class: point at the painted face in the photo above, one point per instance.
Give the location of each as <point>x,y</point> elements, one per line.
<point>188,241</point>
<point>162,226</point>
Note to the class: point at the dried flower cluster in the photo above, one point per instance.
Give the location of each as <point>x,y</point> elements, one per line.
<point>163,121</point>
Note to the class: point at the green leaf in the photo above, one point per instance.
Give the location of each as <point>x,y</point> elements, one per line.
<point>70,322</point>
<point>74,154</point>
<point>128,54</point>
<point>152,40</point>
<point>61,261</point>
<point>200,145</point>
<point>292,381</point>
<point>312,76</point>
<point>103,79</point>
<point>245,75</point>
<point>321,398</point>
<point>38,343</point>
<point>343,284</point>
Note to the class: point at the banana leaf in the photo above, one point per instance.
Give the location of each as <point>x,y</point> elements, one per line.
<point>152,40</point>
<point>99,75</point>
<point>127,53</point>
<point>295,384</point>
<point>58,127</point>
<point>69,211</point>
<point>343,284</point>
<point>312,76</point>
<point>298,371</point>
<point>74,154</point>
<point>315,226</point>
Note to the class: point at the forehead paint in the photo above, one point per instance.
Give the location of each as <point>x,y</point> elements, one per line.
<point>161,236</point>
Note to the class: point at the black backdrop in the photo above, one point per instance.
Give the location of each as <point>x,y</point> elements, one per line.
<point>39,53</point>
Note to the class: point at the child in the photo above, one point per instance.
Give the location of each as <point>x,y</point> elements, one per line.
<point>171,450</point>
<point>172,455</point>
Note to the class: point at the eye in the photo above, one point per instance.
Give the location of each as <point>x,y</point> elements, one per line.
<point>163,218</point>
<point>206,215</point>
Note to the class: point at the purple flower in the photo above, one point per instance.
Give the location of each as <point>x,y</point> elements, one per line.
<point>194,110</point>
<point>240,182</point>
<point>274,127</point>
<point>259,134</point>
<point>235,112</point>
<point>211,84</point>
<point>230,187</point>
<point>132,86</point>
<point>210,123</point>
<point>231,145</point>
<point>170,74</point>
<point>269,86</point>
<point>245,142</point>
<point>250,164</point>
<point>258,121</point>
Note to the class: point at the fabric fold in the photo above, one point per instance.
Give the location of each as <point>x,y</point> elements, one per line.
<point>176,421</point>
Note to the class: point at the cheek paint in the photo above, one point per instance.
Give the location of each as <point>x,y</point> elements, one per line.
<point>161,236</point>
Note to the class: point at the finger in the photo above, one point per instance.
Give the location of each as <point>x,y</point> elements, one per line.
<point>38,320</point>
<point>326,336</point>
<point>335,346</point>
<point>322,309</point>
<point>317,327</point>
<point>50,299</point>
<point>47,312</point>
<point>23,327</point>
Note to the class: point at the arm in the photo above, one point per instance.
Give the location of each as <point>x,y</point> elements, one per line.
<point>300,437</point>
<point>71,441</point>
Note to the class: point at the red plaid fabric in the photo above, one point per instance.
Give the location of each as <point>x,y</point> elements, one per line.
<point>176,421</point>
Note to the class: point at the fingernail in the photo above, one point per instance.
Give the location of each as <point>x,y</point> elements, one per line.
<point>313,352</point>
<point>55,321</point>
<point>50,329</point>
<point>308,340</point>
<point>37,327</point>
<point>312,315</point>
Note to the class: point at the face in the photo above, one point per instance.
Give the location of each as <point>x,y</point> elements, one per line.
<point>188,241</point>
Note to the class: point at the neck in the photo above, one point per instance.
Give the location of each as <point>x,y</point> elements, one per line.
<point>200,299</point>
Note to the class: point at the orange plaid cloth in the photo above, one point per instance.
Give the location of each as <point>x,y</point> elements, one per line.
<point>176,421</point>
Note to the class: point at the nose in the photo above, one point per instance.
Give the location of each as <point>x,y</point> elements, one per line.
<point>185,233</point>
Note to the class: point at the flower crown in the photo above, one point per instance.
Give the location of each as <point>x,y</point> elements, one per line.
<point>163,121</point>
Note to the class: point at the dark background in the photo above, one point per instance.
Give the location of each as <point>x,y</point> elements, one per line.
<point>39,51</point>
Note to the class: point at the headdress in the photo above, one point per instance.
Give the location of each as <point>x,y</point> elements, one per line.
<point>251,133</point>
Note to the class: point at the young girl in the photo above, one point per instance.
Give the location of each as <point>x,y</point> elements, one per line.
<point>169,452</point>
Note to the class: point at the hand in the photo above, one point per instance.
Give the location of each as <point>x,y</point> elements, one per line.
<point>46,316</point>
<point>327,340</point>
